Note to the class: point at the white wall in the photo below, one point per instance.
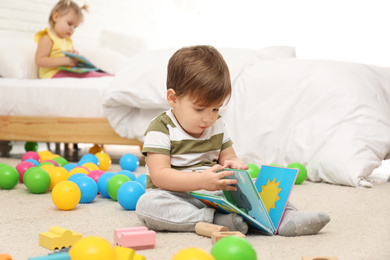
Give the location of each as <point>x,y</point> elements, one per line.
<point>333,29</point>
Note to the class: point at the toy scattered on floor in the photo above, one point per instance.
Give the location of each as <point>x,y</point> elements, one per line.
<point>79,169</point>
<point>73,177</point>
<point>66,195</point>
<point>58,238</point>
<point>92,248</point>
<point>192,253</point>
<point>102,183</point>
<point>95,149</point>
<point>95,174</point>
<point>88,158</point>
<point>128,173</point>
<point>90,166</point>
<point>31,155</point>
<point>57,174</point>
<point>5,257</point>
<point>234,248</point>
<point>88,188</point>
<point>142,178</point>
<point>253,170</point>
<point>215,236</point>
<point>129,193</point>
<point>319,258</point>
<point>60,161</point>
<point>206,229</point>
<point>45,155</point>
<point>37,180</point>
<point>31,146</point>
<point>22,167</point>
<point>302,174</point>
<point>129,162</point>
<point>104,161</point>
<point>137,238</point>
<point>114,183</point>
<point>9,177</point>
<point>56,256</point>
<point>124,253</point>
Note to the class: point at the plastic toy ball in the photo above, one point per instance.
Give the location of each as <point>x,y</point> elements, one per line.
<point>92,248</point>
<point>102,183</point>
<point>9,177</point>
<point>276,165</point>
<point>37,181</point>
<point>104,161</point>
<point>73,177</point>
<point>129,193</point>
<point>302,174</point>
<point>129,162</point>
<point>192,253</point>
<point>31,146</point>
<point>88,188</point>
<point>142,179</point>
<point>22,168</point>
<point>233,247</point>
<point>57,174</point>
<point>114,183</point>
<point>60,161</point>
<point>89,158</point>
<point>79,169</point>
<point>253,170</point>
<point>129,174</point>
<point>46,167</point>
<point>45,155</point>
<point>66,195</point>
<point>95,174</point>
<point>69,166</point>
<point>31,155</point>
<point>52,162</point>
<point>95,149</point>
<point>90,166</point>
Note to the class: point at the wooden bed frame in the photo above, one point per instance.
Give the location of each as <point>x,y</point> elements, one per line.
<point>60,130</point>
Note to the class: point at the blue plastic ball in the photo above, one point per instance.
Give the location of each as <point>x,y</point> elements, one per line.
<point>75,176</point>
<point>102,183</point>
<point>129,193</point>
<point>129,174</point>
<point>129,162</point>
<point>88,158</point>
<point>35,162</point>
<point>69,166</point>
<point>88,188</point>
<point>142,179</point>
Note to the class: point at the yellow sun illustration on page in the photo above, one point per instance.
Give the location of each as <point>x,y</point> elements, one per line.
<point>270,194</point>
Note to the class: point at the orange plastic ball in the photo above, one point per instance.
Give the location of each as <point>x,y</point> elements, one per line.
<point>92,248</point>
<point>96,149</point>
<point>66,195</point>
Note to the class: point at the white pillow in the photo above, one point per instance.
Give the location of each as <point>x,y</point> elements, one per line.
<point>17,58</point>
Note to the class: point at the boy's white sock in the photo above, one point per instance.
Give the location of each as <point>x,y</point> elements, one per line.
<point>296,223</point>
<point>232,221</point>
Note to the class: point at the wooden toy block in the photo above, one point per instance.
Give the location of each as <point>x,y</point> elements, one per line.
<point>58,238</point>
<point>56,256</point>
<point>137,238</point>
<point>319,258</point>
<point>124,253</point>
<point>206,229</point>
<point>5,257</point>
<point>215,236</point>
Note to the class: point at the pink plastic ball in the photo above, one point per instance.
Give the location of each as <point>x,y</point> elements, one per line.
<point>22,168</point>
<point>95,174</point>
<point>31,155</point>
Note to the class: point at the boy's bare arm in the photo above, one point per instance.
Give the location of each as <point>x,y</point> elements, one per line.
<point>164,177</point>
<point>229,159</point>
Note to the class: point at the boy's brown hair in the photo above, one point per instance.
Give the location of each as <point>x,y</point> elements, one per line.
<point>200,72</point>
<point>63,7</point>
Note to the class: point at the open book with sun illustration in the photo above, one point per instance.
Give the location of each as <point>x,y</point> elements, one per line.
<point>261,204</point>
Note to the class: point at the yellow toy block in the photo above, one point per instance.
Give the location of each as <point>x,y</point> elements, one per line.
<point>139,257</point>
<point>58,238</point>
<point>124,253</point>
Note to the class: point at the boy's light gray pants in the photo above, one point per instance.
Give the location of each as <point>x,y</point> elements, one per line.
<point>163,210</point>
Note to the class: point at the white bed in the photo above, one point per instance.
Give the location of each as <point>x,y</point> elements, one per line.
<point>332,116</point>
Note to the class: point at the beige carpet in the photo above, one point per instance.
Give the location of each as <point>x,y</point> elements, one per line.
<point>359,227</point>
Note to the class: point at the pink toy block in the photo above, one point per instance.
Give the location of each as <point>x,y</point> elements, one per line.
<point>137,238</point>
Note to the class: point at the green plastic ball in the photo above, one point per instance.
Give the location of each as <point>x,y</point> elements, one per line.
<point>37,180</point>
<point>61,161</point>
<point>114,183</point>
<point>276,165</point>
<point>302,174</point>
<point>9,177</point>
<point>253,170</point>
<point>233,247</point>
<point>31,146</point>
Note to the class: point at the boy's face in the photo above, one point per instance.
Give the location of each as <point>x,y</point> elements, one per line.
<point>193,118</point>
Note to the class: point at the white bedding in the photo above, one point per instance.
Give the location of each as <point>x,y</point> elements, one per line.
<point>67,97</point>
<point>334,117</point>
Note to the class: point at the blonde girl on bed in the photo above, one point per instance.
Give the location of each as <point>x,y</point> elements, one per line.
<point>188,145</point>
<point>64,19</point>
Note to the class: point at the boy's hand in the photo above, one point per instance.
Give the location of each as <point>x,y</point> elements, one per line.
<point>235,164</point>
<point>214,179</point>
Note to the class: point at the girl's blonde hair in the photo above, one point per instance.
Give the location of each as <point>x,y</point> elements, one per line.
<point>64,6</point>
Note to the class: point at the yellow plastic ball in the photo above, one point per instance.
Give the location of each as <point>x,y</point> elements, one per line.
<point>91,166</point>
<point>45,155</point>
<point>57,174</point>
<point>192,253</point>
<point>78,170</point>
<point>95,149</point>
<point>66,195</point>
<point>104,161</point>
<point>92,248</point>
<point>47,167</point>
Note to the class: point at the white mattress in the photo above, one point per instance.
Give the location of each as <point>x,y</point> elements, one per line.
<point>66,97</point>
